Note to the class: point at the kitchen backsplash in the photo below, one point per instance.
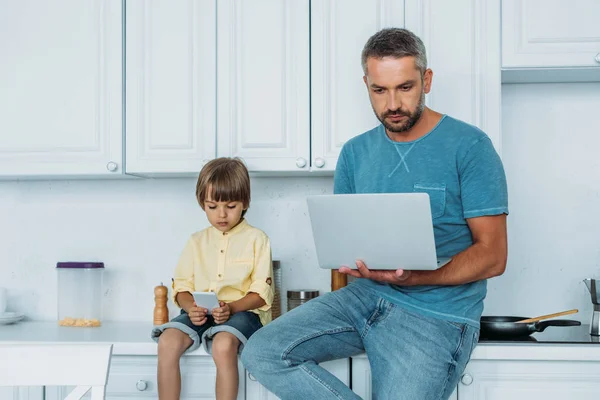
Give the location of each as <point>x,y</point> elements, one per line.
<point>138,227</point>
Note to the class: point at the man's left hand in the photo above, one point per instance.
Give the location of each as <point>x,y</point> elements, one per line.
<point>222,313</point>
<point>397,277</point>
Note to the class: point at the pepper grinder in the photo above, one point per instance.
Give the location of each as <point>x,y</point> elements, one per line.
<point>161,312</point>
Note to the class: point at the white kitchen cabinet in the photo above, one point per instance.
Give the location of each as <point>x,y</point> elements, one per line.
<point>530,380</point>
<point>550,33</point>
<point>361,378</point>
<point>255,391</point>
<point>21,393</point>
<point>263,83</point>
<point>61,96</point>
<point>340,107</point>
<point>462,38</point>
<point>134,377</point>
<point>170,86</point>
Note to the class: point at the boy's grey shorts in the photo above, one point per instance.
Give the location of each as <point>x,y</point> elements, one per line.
<point>242,325</point>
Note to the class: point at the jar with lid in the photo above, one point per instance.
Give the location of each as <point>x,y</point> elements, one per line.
<point>80,293</point>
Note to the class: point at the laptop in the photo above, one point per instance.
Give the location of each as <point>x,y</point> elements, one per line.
<point>385,230</point>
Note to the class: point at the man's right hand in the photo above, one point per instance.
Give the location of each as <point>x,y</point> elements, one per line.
<point>197,315</point>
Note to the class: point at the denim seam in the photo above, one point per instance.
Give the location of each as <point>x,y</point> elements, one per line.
<point>324,384</point>
<point>289,349</point>
<point>454,362</point>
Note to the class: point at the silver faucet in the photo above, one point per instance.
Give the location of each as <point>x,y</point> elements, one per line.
<point>593,286</point>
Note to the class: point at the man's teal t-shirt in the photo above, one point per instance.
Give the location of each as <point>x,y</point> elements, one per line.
<point>457,165</point>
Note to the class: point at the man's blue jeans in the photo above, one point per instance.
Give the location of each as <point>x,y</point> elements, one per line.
<point>411,356</point>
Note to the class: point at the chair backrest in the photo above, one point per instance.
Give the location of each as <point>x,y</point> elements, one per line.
<point>39,364</point>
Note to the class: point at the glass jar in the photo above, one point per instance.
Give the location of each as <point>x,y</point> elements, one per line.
<point>80,293</point>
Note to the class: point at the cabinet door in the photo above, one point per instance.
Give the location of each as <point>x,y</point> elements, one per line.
<point>170,81</point>
<point>361,379</point>
<point>134,377</point>
<point>21,393</point>
<point>530,380</point>
<point>550,33</point>
<point>340,107</point>
<point>263,83</point>
<point>462,38</point>
<point>61,96</point>
<point>255,391</point>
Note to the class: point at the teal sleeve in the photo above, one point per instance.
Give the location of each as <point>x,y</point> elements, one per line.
<point>342,184</point>
<point>483,181</point>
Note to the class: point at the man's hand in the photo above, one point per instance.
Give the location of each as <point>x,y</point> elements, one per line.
<point>197,315</point>
<point>222,313</point>
<point>397,277</point>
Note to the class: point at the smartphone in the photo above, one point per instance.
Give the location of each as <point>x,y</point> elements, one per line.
<point>207,300</point>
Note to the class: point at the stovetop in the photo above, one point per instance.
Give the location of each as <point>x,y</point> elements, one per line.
<point>554,334</point>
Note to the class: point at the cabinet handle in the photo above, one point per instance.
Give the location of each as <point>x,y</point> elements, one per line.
<point>251,377</point>
<point>597,58</point>
<point>319,162</point>
<point>112,166</point>
<point>466,379</point>
<point>300,162</point>
<point>141,385</point>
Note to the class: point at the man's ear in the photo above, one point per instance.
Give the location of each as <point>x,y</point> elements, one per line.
<point>427,79</point>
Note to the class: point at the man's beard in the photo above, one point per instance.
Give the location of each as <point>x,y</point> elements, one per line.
<point>402,126</point>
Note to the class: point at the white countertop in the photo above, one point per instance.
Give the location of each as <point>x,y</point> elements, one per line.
<point>133,338</point>
<point>128,338</point>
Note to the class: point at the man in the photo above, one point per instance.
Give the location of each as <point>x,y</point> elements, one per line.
<point>418,328</point>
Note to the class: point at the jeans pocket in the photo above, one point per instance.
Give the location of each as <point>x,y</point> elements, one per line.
<point>437,196</point>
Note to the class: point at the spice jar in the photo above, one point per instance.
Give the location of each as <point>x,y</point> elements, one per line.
<point>80,293</point>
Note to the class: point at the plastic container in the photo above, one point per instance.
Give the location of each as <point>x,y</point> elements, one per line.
<point>80,293</point>
<point>296,298</point>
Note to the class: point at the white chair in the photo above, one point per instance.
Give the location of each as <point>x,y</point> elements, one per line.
<point>85,366</point>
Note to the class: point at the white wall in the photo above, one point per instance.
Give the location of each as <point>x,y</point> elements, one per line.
<point>138,228</point>
<point>550,147</point>
<point>551,137</point>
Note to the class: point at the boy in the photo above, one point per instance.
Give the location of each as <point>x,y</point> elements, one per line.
<point>230,258</point>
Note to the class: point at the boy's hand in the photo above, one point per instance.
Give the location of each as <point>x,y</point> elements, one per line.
<point>197,315</point>
<point>222,313</point>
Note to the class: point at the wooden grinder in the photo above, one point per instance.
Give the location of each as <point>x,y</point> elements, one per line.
<point>161,312</point>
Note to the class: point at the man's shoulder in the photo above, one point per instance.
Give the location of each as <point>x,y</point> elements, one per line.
<point>466,133</point>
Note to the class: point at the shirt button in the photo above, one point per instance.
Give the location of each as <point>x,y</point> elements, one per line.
<point>220,275</point>
<point>222,251</point>
<point>224,233</point>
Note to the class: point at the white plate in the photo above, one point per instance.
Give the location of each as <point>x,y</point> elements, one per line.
<point>10,317</point>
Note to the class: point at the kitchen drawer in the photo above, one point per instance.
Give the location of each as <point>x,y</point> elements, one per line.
<point>134,377</point>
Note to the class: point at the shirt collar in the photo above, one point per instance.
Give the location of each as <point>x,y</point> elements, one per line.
<point>243,224</point>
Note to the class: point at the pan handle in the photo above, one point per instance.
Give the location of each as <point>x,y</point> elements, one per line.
<point>542,325</point>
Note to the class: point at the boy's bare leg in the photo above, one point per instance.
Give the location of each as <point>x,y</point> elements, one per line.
<point>172,343</point>
<point>224,351</point>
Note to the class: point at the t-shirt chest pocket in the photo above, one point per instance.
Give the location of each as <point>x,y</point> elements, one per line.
<point>437,196</point>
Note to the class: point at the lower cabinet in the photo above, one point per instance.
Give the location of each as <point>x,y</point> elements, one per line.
<point>255,391</point>
<point>21,393</point>
<point>530,380</point>
<point>134,377</point>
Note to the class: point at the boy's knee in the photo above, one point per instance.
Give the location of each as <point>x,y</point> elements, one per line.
<point>173,342</point>
<point>224,344</point>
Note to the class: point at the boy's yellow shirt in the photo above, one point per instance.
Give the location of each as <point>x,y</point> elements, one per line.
<point>231,264</point>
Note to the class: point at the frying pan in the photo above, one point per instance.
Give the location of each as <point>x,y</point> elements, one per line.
<point>507,327</point>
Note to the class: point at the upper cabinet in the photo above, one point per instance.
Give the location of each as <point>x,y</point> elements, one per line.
<point>462,38</point>
<point>263,83</point>
<point>170,85</point>
<point>550,40</point>
<point>61,96</point>
<point>340,107</point>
